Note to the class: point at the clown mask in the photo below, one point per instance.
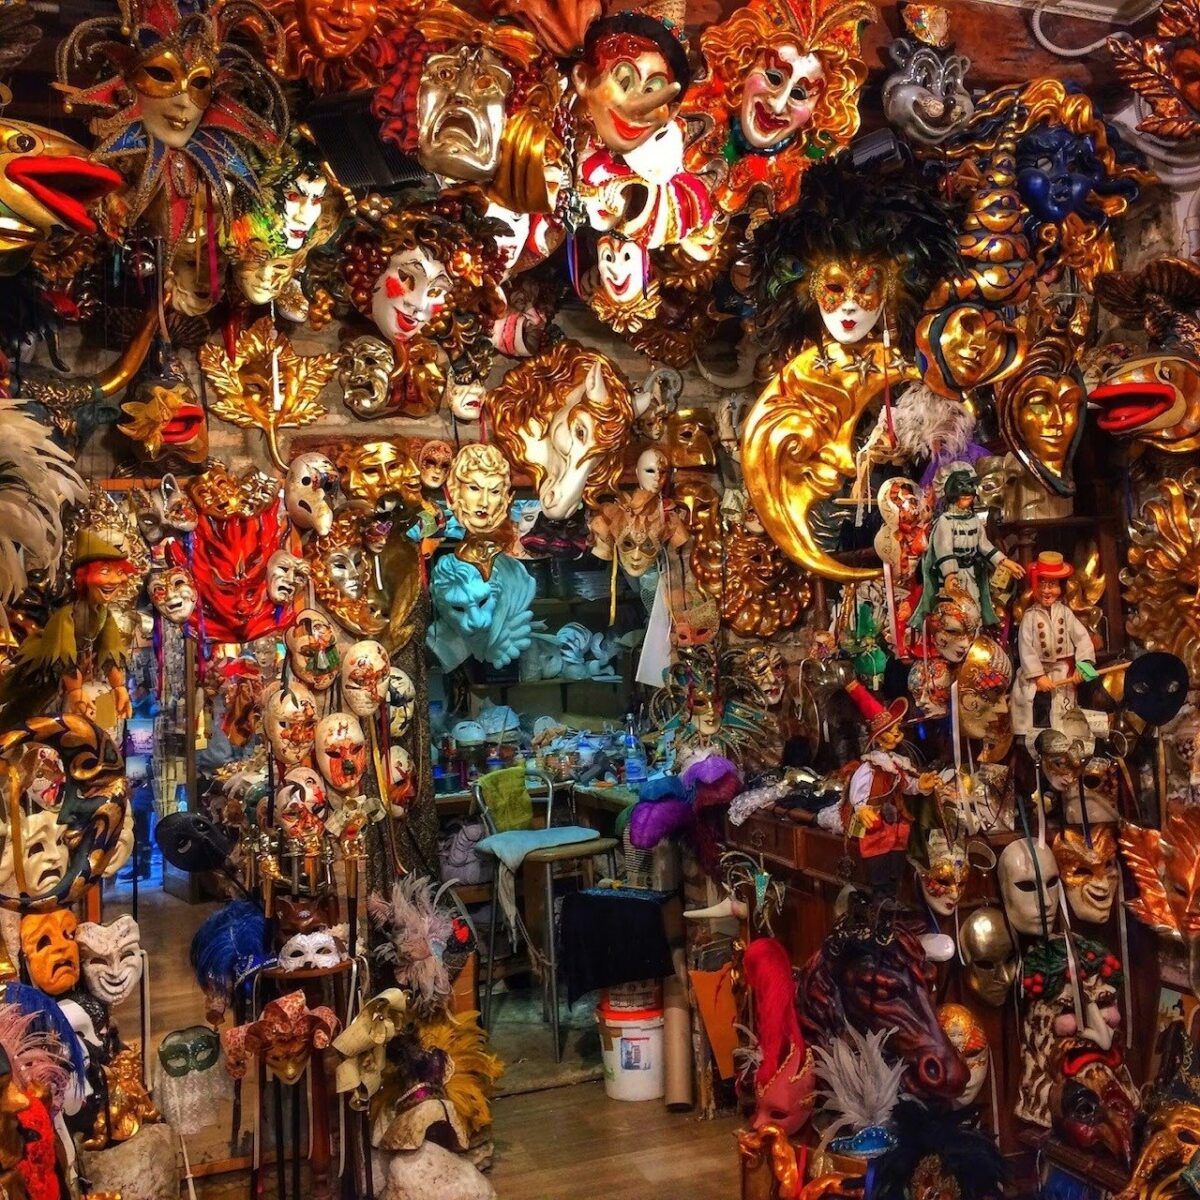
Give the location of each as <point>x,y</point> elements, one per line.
<point>284,574</point>
<point>308,491</point>
<point>402,787</point>
<point>50,950</point>
<point>779,96</point>
<point>341,752</point>
<point>402,701</point>
<point>365,678</point>
<point>413,289</point>
<point>290,722</point>
<point>310,952</point>
<point>301,804</point>
<point>1089,871</point>
<point>460,113</point>
<point>312,649</point>
<point>850,296</point>
<point>623,269</point>
<point>365,368</point>
<point>1029,883</point>
<point>111,957</point>
<point>173,593</point>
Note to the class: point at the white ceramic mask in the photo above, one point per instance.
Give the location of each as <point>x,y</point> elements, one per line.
<point>290,721</point>
<point>412,290</point>
<point>173,593</point>
<point>110,958</point>
<point>301,803</point>
<point>1029,886</point>
<point>308,491</point>
<point>943,880</point>
<point>285,572</point>
<point>311,643</point>
<point>365,670</point>
<point>341,752</point>
<point>652,470</point>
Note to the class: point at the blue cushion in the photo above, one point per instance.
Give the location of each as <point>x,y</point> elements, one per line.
<point>511,846</point>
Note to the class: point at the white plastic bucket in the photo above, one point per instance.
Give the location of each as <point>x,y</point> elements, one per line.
<point>631,1044</point>
<point>635,997</point>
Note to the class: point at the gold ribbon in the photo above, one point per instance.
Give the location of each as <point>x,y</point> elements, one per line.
<point>446,23</point>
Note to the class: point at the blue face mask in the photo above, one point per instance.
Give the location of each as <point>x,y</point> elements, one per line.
<point>488,619</point>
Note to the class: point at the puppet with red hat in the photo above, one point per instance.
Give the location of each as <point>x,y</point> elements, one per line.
<point>1055,650</point>
<point>874,809</point>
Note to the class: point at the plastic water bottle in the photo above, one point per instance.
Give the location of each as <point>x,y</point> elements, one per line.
<point>635,756</point>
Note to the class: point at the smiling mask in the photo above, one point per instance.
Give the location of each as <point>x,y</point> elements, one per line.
<point>111,958</point>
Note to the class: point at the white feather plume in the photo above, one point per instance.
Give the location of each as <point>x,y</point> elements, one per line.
<point>924,423</point>
<point>860,1088</point>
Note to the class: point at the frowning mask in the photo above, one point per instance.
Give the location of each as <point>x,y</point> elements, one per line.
<point>413,288</point>
<point>309,490</point>
<point>50,950</point>
<point>285,572</point>
<point>341,752</point>
<point>1029,884</point>
<point>943,880</point>
<point>312,649</point>
<point>365,670</point>
<point>851,296</point>
<point>173,593</point>
<point>290,722</point>
<point>991,957</point>
<point>43,862</point>
<point>480,487</point>
<point>111,957</point>
<point>460,112</point>
<point>365,367</point>
<point>1089,872</point>
<point>310,952</point>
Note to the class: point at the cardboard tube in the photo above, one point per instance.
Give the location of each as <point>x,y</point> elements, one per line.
<point>677,1044</point>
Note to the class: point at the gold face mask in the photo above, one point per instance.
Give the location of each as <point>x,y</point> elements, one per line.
<point>175,93</point>
<point>373,469</point>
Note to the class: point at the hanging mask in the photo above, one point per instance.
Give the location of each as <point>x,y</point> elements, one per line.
<point>1089,873</point>
<point>434,461</point>
<point>925,97</point>
<point>1100,780</point>
<point>1029,884</point>
<point>43,777</point>
<point>309,491</point>
<point>989,953</point>
<point>365,367</point>
<point>480,488</point>
<point>966,1035</point>
<point>1156,686</point>
<point>285,573</point>
<point>341,750</point>
<point>690,438</point>
<point>301,803</point>
<point>767,671</point>
<point>191,842</point>
<point>984,684</point>
<point>372,470</point>
<point>310,952</point>
<point>111,958</point>
<point>413,288</point>
<point>290,722</point>
<point>953,625</point>
<point>1062,758</point>
<point>173,593</point>
<point>653,468</point>
<point>850,297</point>
<point>943,880</point>
<point>45,854</point>
<point>402,780</point>
<point>50,950</point>
<point>402,701</point>
<point>460,112</point>
<point>312,649</point>
<point>365,670</point>
<point>188,1082</point>
<point>163,511</point>
<point>163,417</point>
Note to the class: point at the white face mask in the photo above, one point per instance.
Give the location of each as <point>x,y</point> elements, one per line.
<point>78,1090</point>
<point>110,958</point>
<point>779,96</point>
<point>402,702</point>
<point>412,290</point>
<point>285,572</point>
<point>302,208</point>
<point>652,470</point>
<point>623,268</point>
<point>942,882</point>
<point>341,751</point>
<point>301,803</point>
<point>511,244</point>
<point>1029,894</point>
<point>45,853</point>
<point>173,594</point>
<point>312,482</point>
<point>365,678</point>
<point>310,952</point>
<point>312,649</point>
<point>289,722</point>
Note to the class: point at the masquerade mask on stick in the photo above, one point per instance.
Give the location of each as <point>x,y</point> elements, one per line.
<point>188,1083</point>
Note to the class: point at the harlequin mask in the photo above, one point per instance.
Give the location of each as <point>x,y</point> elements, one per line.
<point>412,289</point>
<point>1029,884</point>
<point>285,1035</point>
<point>309,491</point>
<point>341,752</point>
<point>989,953</point>
<point>44,777</point>
<point>480,487</point>
<point>1089,872</point>
<point>401,780</point>
<point>623,269</point>
<point>365,367</point>
<point>173,593</point>
<point>434,461</point>
<point>365,669</point>
<point>111,958</point>
<point>460,112</point>
<point>312,649</point>
<point>850,296</point>
<point>402,701</point>
<point>690,437</point>
<point>50,950</point>
<point>285,572</point>
<point>310,952</point>
<point>966,1035</point>
<point>943,880</point>
<point>290,721</point>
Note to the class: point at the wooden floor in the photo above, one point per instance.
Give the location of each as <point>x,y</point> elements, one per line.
<point>574,1143</point>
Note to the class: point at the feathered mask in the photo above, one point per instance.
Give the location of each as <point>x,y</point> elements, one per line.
<point>417,933</point>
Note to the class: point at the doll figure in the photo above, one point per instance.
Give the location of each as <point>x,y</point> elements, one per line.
<point>1055,650</point>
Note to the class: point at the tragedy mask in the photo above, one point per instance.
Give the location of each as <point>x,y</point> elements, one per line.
<point>943,880</point>
<point>411,290</point>
<point>285,573</point>
<point>402,701</point>
<point>341,752</point>
<point>365,366</point>
<point>45,853</point>
<point>290,721</point>
<point>850,296</point>
<point>312,649</point>
<point>315,951</point>
<point>966,1035</point>
<point>433,461</point>
<point>51,951</point>
<point>173,593</point>
<point>111,958</point>
<point>402,780</point>
<point>310,491</point>
<point>1029,884</point>
<point>365,671</point>
<point>990,955</point>
<point>1089,871</point>
<point>480,487</point>
<point>460,112</point>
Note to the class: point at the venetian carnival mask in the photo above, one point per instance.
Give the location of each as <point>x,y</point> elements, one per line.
<point>413,288</point>
<point>365,366</point>
<point>943,880</point>
<point>1095,795</point>
<point>311,643</point>
<point>1172,1141</point>
<point>402,773</point>
<point>460,112</point>
<point>779,95</point>
<point>372,470</point>
<point>402,701</point>
<point>953,625</point>
<point>175,89</point>
<point>365,671</point>
<point>301,803</point>
<point>480,487</point>
<point>309,491</point>
<point>925,97</point>
<point>623,269</point>
<point>43,777</point>
<point>173,593</point>
<point>188,1084</point>
<point>50,950</point>
<point>510,244</point>
<point>111,957</point>
<point>1029,884</point>
<point>652,468</point>
<point>285,572</point>
<point>346,569</point>
<point>1089,871</point>
<point>766,669</point>
<point>984,683</point>
<point>434,462</point>
<point>45,854</point>
<point>290,721</point>
<point>850,296</point>
<point>966,346</point>
<point>341,752</point>
<point>967,1036</point>
<point>163,415</point>
<point>262,277</point>
<point>690,439</point>
<point>310,952</point>
<point>990,955</point>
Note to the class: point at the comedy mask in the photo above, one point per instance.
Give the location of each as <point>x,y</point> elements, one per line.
<point>50,950</point>
<point>409,292</point>
<point>989,953</point>
<point>111,958</point>
<point>565,415</point>
<point>1029,884</point>
<point>365,668</point>
<point>480,488</point>
<point>1089,871</point>
<point>312,649</point>
<point>365,366</point>
<point>309,491</point>
<point>301,804</point>
<point>285,573</point>
<point>968,1038</point>
<point>925,97</point>
<point>943,880</point>
<point>310,952</point>
<point>173,593</point>
<point>289,721</point>
<point>341,752</point>
<point>402,701</point>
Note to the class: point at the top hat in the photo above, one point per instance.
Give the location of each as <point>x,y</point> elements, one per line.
<point>879,718</point>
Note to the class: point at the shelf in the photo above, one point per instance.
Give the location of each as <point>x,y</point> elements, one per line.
<point>533,683</point>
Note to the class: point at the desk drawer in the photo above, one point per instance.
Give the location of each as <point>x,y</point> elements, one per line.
<point>773,838</point>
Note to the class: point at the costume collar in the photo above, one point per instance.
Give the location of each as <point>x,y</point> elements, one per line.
<point>737,139</point>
